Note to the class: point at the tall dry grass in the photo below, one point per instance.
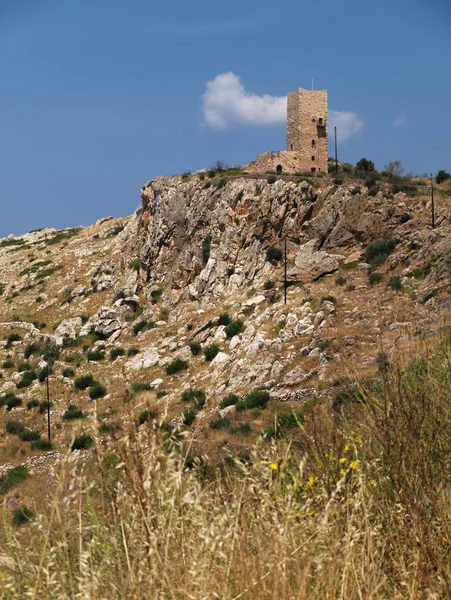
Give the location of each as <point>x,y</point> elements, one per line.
<point>355,507</point>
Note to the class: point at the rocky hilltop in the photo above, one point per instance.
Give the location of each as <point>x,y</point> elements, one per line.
<point>178,312</point>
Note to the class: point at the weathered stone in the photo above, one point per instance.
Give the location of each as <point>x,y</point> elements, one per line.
<point>144,360</point>
<point>67,330</point>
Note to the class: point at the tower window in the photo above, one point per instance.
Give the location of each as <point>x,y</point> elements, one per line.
<point>313,158</point>
<point>313,143</point>
<point>320,121</point>
<point>291,146</point>
<point>313,170</point>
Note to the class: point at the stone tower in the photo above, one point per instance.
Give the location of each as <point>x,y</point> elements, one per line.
<point>307,128</point>
<point>307,148</point>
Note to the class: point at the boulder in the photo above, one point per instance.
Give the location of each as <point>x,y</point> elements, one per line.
<point>67,330</point>
<point>311,263</point>
<point>145,360</point>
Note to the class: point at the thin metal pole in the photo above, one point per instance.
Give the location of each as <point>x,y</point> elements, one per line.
<point>285,274</point>
<point>336,152</point>
<point>48,403</point>
<point>432,202</point>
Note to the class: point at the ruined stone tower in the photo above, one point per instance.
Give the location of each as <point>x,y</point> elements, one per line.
<point>306,136</point>
<point>307,128</point>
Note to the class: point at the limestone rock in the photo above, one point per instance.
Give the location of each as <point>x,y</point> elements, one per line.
<point>67,330</point>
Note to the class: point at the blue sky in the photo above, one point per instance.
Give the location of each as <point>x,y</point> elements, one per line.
<point>99,96</point>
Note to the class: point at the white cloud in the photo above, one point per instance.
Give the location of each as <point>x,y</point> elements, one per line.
<point>226,103</point>
<point>346,122</point>
<point>400,121</point>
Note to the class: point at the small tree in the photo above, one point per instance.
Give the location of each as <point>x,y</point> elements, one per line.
<point>365,166</point>
<point>395,168</point>
<point>442,176</point>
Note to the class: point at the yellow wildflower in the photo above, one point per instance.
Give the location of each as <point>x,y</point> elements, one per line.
<point>274,466</point>
<point>347,447</point>
<point>342,460</point>
<point>354,464</point>
<point>342,472</point>
<point>312,479</point>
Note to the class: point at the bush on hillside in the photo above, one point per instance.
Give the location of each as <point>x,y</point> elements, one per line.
<point>378,251</point>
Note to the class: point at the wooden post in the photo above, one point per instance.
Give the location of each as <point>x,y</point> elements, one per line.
<point>336,152</point>
<point>432,202</point>
<point>285,273</point>
<point>48,403</point>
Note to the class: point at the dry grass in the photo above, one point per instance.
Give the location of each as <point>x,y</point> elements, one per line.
<point>356,507</point>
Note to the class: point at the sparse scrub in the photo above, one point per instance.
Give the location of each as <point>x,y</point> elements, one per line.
<point>41,444</point>
<point>195,348</point>
<point>12,337</point>
<point>82,442</point>
<point>115,352</point>
<point>274,254</point>
<point>175,366</point>
<point>32,404</point>
<point>377,252</point>
<point>340,280</point>
<point>211,351</point>
<point>68,372</point>
<point>12,478</point>
<point>328,299</point>
<point>220,423</point>
<point>374,277</point>
<point>197,396</point>
<point>96,355</point>
<point>133,351</point>
<point>188,417</point>
<point>142,387</point>
<point>257,398</point>
<point>97,391</point>
<point>395,283</point>
<point>72,412</point>
<point>224,319</point>
<point>22,516</point>
<point>206,249</point>
<point>142,325</point>
<point>146,415</point>
<point>14,427</point>
<point>134,264</point>
<point>29,435</point>
<point>229,400</point>
<point>234,328</point>
<point>83,382</point>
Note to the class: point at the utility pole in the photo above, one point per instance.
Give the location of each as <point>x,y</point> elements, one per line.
<point>432,202</point>
<point>285,273</point>
<point>48,403</point>
<point>336,152</point>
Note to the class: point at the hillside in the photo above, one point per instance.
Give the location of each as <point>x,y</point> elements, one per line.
<point>175,318</point>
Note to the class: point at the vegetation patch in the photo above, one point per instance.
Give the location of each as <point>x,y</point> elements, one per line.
<point>12,478</point>
<point>234,328</point>
<point>378,251</point>
<point>82,442</point>
<point>72,412</point>
<point>211,351</point>
<point>175,366</point>
<point>257,398</point>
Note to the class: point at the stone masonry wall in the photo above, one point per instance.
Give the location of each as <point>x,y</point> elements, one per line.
<point>307,147</point>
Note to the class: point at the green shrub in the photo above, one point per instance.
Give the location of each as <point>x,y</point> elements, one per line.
<point>221,183</point>
<point>395,283</point>
<point>220,423</point>
<point>338,181</point>
<point>374,277</point>
<point>188,417</point>
<point>22,515</point>
<point>115,352</point>
<point>230,271</point>
<point>224,319</point>
<point>271,179</point>
<point>257,398</point>
<point>211,351</point>
<point>365,166</point>
<point>142,325</point>
<point>350,288</point>
<point>68,372</point>
<point>44,406</point>
<point>340,280</point>
<point>206,248</point>
<point>378,251</point>
<point>195,348</point>
<point>12,477</point>
<point>274,254</point>
<point>10,400</point>
<point>229,400</point>
<point>429,295</point>
<point>42,375</point>
<point>156,295</point>
<point>240,429</point>
<point>239,196</point>
<point>134,264</point>
<point>405,217</point>
<point>142,387</point>
<point>30,349</point>
<point>83,382</point>
<point>197,396</point>
<point>14,427</point>
<point>96,355</point>
<point>328,299</point>
<point>41,444</point>
<point>29,435</point>
<point>146,415</point>
<point>234,328</point>
<point>82,442</point>
<point>12,337</point>
<point>175,366</point>
<point>72,412</point>
<point>32,404</point>
<point>133,351</point>
<point>269,285</point>
<point>97,391</point>
<point>161,393</point>
<point>27,379</point>
<point>8,364</point>
<point>383,362</point>
<point>442,176</point>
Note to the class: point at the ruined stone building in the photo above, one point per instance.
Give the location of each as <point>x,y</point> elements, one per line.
<point>306,136</point>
